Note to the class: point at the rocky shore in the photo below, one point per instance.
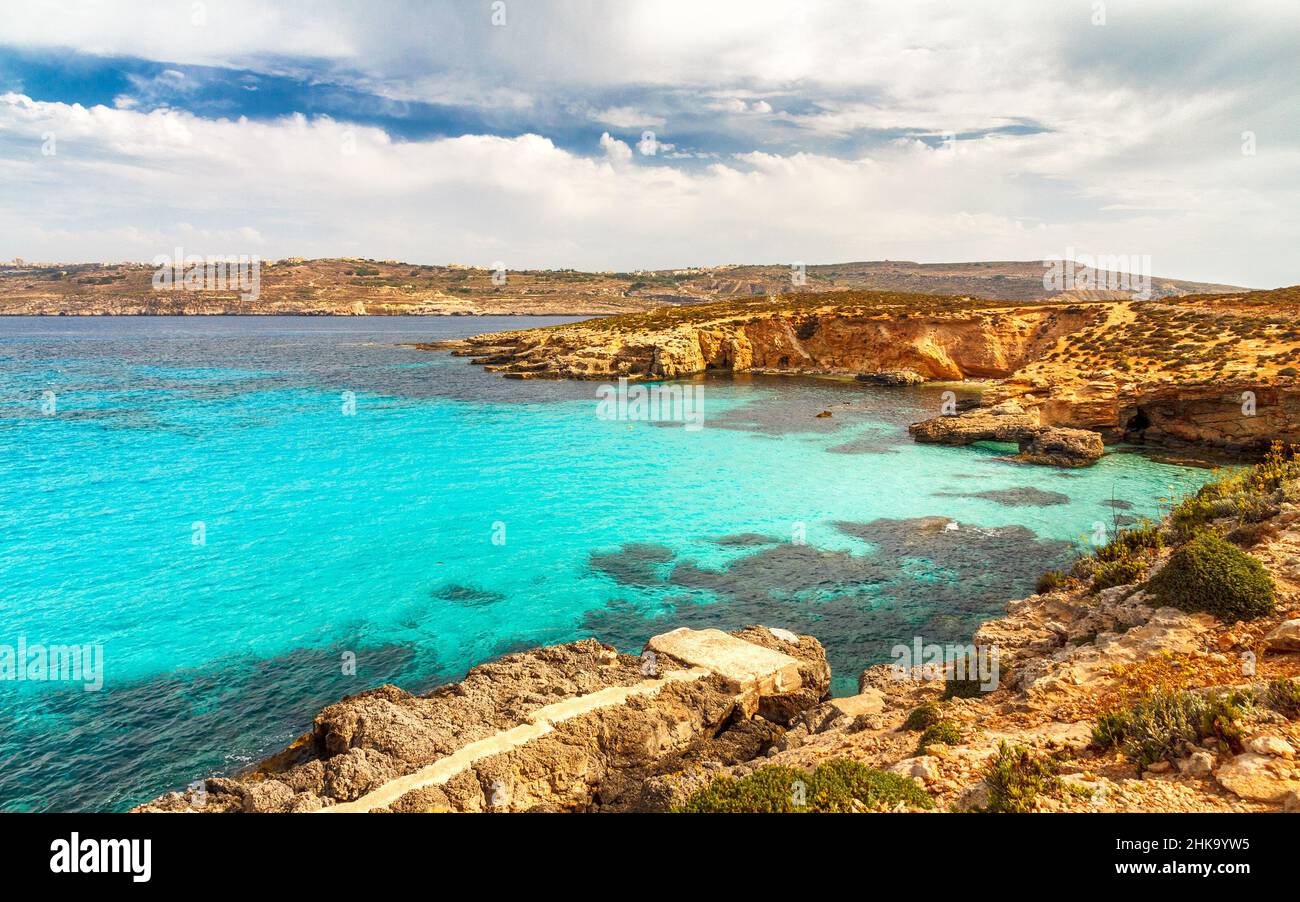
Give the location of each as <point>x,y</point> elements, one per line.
<point>1214,372</point>
<point>1111,692</point>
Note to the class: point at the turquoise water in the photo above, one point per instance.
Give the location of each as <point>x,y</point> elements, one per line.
<point>453,516</point>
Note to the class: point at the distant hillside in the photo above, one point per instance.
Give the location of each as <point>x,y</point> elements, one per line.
<point>353,286</point>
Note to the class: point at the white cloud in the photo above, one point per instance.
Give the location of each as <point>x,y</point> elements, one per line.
<point>617,151</point>
<point>627,117</point>
<point>1131,145</point>
<point>130,184</point>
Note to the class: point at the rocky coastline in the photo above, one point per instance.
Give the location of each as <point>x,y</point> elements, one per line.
<point>1211,372</point>
<point>1160,673</point>
<point>1065,714</point>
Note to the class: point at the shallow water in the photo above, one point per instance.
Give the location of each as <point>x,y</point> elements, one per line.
<point>202,502</point>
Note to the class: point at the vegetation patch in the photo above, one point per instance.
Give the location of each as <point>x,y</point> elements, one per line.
<point>926,715</point>
<point>945,731</point>
<point>1212,575</point>
<point>1167,725</point>
<point>1284,697</point>
<point>1051,581</point>
<point>1109,574</point>
<point>837,785</point>
<point>1015,778</point>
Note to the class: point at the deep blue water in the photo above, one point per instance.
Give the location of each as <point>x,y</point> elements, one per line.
<point>200,501</point>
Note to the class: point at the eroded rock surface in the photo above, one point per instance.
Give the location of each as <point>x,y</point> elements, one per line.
<point>1009,422</point>
<point>573,727</point>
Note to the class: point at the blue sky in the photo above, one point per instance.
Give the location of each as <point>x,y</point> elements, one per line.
<point>478,132</point>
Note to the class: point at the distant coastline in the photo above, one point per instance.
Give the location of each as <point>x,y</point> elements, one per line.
<point>355,287</point>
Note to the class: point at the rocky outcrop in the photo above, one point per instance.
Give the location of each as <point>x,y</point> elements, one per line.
<point>1061,447</point>
<point>1260,777</point>
<point>1216,375</point>
<point>575,727</point>
<point>1065,658</point>
<point>1285,638</point>
<point>892,378</point>
<point>1006,423</point>
<point>1010,423</point>
<point>954,341</point>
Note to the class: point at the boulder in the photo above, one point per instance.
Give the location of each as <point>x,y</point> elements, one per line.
<point>1258,778</point>
<point>266,795</point>
<point>1271,745</point>
<point>1285,637</point>
<point>1061,447</point>
<point>1197,764</point>
<point>924,768</point>
<point>869,701</point>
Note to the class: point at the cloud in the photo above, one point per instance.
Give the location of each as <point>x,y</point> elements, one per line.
<point>784,131</point>
<point>627,117</point>
<point>132,184</point>
<point>615,150</point>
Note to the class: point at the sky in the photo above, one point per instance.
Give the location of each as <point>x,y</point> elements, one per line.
<point>649,134</point>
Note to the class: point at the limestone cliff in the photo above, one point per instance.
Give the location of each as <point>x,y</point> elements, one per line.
<point>1217,371</point>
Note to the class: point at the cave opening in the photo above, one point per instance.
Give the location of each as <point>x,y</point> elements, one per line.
<point>1139,422</point>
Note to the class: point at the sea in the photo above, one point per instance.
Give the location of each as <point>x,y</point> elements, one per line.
<point>249,518</point>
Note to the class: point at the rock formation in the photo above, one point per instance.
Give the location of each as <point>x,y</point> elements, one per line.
<point>576,727</point>
<point>1009,423</point>
<point>1200,371</point>
<point>580,727</point>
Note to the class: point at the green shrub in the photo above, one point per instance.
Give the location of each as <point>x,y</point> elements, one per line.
<point>833,787</point>
<point>925,716</point>
<point>966,687</point>
<point>1129,542</point>
<point>1052,579</point>
<point>1212,575</point>
<point>1190,516</point>
<point>1161,725</point>
<point>1015,778</point>
<point>768,790</point>
<point>944,731</point>
<point>1110,729</point>
<point>1118,573</point>
<point>1284,696</point>
<point>837,783</point>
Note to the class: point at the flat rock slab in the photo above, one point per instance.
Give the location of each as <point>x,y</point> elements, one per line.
<point>869,701</point>
<point>749,669</point>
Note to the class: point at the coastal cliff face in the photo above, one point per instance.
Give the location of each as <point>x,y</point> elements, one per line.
<point>942,344</point>
<point>1211,371</point>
